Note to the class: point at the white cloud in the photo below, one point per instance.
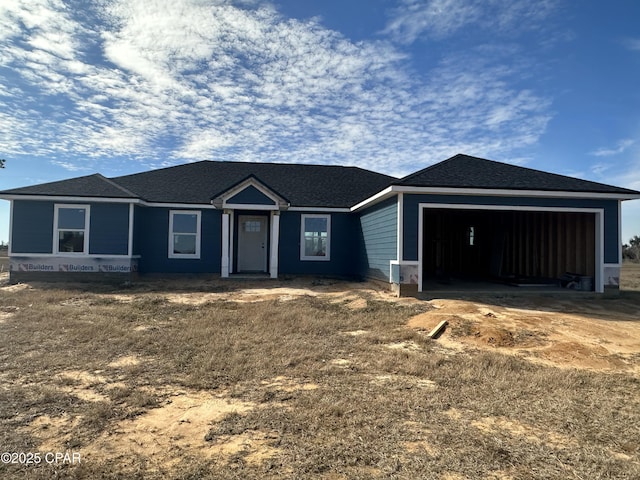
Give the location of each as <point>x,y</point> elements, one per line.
<point>165,81</point>
<point>441,18</point>
<point>619,148</point>
<point>632,44</point>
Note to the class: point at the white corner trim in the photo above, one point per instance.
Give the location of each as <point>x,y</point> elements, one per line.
<point>11,227</point>
<point>130,238</point>
<point>275,240</point>
<point>400,228</point>
<point>224,261</point>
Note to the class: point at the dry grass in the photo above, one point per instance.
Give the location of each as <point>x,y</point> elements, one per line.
<point>303,387</point>
<point>4,261</point>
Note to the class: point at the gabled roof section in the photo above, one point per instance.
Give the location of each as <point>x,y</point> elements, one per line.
<point>302,185</point>
<point>464,171</point>
<point>250,191</point>
<point>88,186</point>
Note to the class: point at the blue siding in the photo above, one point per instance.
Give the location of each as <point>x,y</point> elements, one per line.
<point>109,232</point>
<point>250,196</point>
<point>379,231</point>
<point>410,236</point>
<point>32,229</point>
<point>152,232</point>
<point>343,247</point>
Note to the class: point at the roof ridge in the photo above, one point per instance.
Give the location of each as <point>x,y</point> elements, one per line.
<point>114,184</point>
<point>430,167</point>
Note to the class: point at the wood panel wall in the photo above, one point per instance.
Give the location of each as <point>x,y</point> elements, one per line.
<point>520,243</point>
<point>549,244</point>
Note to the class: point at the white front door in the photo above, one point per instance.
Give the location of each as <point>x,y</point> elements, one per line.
<point>252,243</point>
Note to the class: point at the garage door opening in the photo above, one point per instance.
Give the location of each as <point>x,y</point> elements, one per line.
<point>509,247</point>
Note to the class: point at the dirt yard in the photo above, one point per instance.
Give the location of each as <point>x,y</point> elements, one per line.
<point>316,379</point>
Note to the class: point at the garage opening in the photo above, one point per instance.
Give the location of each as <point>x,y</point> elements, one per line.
<point>510,247</point>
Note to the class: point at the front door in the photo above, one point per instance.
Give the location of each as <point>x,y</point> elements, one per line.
<point>252,243</point>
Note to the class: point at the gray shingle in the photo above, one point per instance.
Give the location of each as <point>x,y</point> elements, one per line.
<point>302,185</point>
<point>88,186</point>
<point>464,171</point>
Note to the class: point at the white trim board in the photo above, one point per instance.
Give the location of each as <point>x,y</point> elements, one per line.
<point>599,231</point>
<point>397,189</point>
<point>61,255</point>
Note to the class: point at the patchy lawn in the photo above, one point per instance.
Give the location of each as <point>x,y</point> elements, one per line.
<point>317,380</point>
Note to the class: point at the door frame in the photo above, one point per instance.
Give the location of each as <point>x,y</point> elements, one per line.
<point>236,240</point>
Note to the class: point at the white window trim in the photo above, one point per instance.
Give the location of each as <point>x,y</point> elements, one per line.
<point>304,257</point>
<point>198,215</point>
<point>56,230</point>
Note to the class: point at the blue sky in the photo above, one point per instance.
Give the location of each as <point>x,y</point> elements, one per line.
<point>122,86</point>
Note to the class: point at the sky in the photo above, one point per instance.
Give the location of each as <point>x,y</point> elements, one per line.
<point>124,86</point>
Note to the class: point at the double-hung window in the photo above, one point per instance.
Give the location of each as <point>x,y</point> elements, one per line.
<point>184,234</point>
<point>71,233</point>
<point>315,237</point>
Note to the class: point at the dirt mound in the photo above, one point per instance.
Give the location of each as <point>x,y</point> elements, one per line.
<point>566,333</point>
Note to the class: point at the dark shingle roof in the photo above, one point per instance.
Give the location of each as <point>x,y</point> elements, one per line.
<point>464,171</point>
<point>88,186</point>
<point>309,185</point>
<point>302,185</point>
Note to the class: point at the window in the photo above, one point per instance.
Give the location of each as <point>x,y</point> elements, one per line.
<point>184,234</point>
<point>71,233</point>
<point>471,236</point>
<point>315,237</point>
<point>252,226</point>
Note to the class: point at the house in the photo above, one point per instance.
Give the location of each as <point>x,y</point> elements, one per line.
<point>465,217</point>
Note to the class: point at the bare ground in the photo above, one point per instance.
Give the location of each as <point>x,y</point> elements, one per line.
<point>318,379</point>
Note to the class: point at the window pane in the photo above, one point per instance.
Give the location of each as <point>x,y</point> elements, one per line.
<point>252,226</point>
<point>185,223</point>
<point>71,241</point>
<point>71,218</point>
<point>184,244</point>
<point>315,225</point>
<point>315,245</point>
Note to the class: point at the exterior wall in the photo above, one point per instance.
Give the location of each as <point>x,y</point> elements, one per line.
<point>411,201</point>
<point>152,234</point>
<point>378,231</point>
<point>343,247</point>
<point>250,196</point>
<point>32,229</point>
<point>109,229</point>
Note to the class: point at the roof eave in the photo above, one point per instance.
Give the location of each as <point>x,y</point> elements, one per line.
<point>67,198</point>
<point>631,195</point>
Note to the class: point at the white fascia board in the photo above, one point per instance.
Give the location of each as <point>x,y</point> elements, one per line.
<point>258,186</point>
<point>526,208</point>
<point>59,198</point>
<point>378,197</point>
<point>135,201</point>
<point>510,193</point>
<point>248,206</point>
<point>191,206</point>
<point>319,209</point>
